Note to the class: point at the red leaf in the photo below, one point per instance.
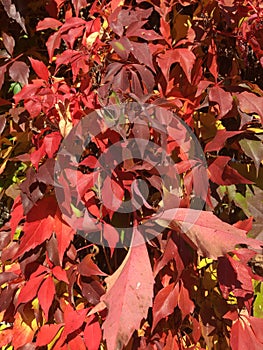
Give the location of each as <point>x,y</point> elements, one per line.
<point>46,295</point>
<point>165,302</point>
<point>29,291</point>
<point>112,194</point>
<point>170,252</point>
<point>40,69</point>
<point>142,53</point>
<point>136,84</point>
<point>85,182</point>
<point>64,234</point>
<point>76,343</point>
<point>76,59</point>
<point>92,334</point>
<point>78,5</point>
<point>111,235</point>
<point>37,155</point>
<point>185,304</point>
<point>136,30</point>
<point>257,326</point>
<point>233,276</point>
<point>242,336</point>
<point>212,60</point>
<point>53,43</point>
<point>47,333</point>
<point>6,337</point>
<point>48,23</point>
<point>251,103</point>
<point>73,319</point>
<point>28,91</point>
<point>52,142</point>
<point>91,162</point>
<point>60,274</point>
<point>19,72</point>
<point>222,174</point>
<point>222,98</point>
<point>209,235</point>
<point>9,43</point>
<point>17,214</point>
<point>147,77</point>
<point>115,4</point>
<point>122,47</point>
<point>219,140</point>
<point>245,225</point>
<point>128,297</point>
<point>88,268</point>
<point>39,225</point>
<point>184,57</point>
<point>165,30</point>
<point>171,342</point>
<point>22,333</point>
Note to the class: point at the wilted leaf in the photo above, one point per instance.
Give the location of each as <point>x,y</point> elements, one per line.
<point>255,206</point>
<point>254,150</point>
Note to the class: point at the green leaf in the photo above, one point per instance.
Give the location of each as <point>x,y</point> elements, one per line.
<point>15,88</point>
<point>258,303</point>
<point>76,211</point>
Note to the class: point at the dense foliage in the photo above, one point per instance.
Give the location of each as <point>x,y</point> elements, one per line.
<point>68,282</point>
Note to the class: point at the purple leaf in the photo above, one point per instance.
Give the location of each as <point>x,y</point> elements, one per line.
<point>11,11</point>
<point>19,72</point>
<point>9,43</point>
